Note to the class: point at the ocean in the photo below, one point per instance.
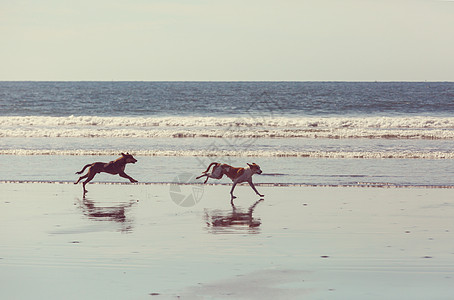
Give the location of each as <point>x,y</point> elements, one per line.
<point>372,134</point>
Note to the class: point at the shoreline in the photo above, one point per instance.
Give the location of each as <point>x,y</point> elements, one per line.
<point>276,171</point>
<point>241,154</point>
<point>358,185</point>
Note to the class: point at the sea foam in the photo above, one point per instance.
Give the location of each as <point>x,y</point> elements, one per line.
<point>241,121</point>
<point>233,153</point>
<point>229,127</point>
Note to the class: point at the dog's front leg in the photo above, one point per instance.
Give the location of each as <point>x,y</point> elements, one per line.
<point>233,187</point>
<point>253,187</point>
<point>124,175</point>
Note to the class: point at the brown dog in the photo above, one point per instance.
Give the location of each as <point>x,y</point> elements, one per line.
<point>114,167</point>
<point>237,175</point>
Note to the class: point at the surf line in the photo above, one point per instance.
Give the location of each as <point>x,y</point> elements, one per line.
<point>356,185</point>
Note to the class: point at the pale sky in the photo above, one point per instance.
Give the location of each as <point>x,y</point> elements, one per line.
<point>227,40</point>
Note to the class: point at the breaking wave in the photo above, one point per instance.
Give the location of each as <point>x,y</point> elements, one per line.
<point>229,127</point>
<point>235,153</point>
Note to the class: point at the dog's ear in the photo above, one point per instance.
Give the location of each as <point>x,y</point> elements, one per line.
<point>249,165</point>
<point>122,154</point>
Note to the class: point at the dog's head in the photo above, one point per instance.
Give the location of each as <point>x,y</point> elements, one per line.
<point>255,168</point>
<point>129,158</point>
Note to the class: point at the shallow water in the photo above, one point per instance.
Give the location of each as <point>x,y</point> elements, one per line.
<point>276,170</point>
<point>132,241</point>
<point>304,133</point>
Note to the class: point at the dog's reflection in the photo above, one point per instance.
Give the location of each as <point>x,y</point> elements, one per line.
<point>113,213</point>
<point>219,221</point>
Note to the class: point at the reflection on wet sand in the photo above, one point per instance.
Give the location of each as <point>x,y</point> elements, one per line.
<point>229,221</point>
<point>117,213</point>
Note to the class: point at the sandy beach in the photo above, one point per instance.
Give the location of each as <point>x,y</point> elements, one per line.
<point>135,242</point>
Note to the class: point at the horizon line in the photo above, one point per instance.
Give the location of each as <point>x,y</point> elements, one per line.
<point>245,81</point>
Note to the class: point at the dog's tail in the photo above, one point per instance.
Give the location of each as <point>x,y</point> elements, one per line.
<point>213,163</point>
<point>86,166</point>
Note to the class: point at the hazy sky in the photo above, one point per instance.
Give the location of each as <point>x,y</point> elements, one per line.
<point>313,40</point>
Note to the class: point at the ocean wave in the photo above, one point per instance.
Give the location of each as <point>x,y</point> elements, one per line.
<point>245,121</point>
<point>234,153</point>
<point>333,133</point>
<point>229,127</point>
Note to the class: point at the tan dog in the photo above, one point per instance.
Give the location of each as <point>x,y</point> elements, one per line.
<point>237,175</point>
<point>114,167</point>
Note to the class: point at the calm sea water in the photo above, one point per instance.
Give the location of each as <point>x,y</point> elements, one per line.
<point>299,132</point>
<point>157,99</point>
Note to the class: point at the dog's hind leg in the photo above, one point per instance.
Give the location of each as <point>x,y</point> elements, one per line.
<point>80,178</point>
<point>206,175</point>
<point>84,176</point>
<point>90,177</point>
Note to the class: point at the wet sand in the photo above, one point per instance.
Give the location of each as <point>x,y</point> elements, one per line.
<point>135,242</point>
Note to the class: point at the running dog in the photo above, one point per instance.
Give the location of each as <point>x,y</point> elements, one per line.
<point>237,175</point>
<point>114,167</point>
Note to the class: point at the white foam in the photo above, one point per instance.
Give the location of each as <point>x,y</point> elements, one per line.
<point>311,122</point>
<point>255,153</point>
<point>333,133</point>
<point>229,127</point>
